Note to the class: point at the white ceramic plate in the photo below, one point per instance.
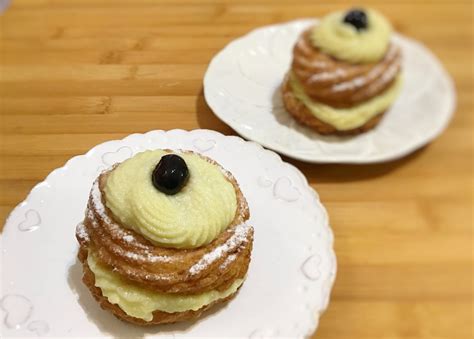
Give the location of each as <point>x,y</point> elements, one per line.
<point>242,87</point>
<point>290,276</point>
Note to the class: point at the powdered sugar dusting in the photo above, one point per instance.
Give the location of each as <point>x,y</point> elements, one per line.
<point>318,74</point>
<point>147,257</point>
<point>128,238</point>
<point>239,237</point>
<point>99,208</point>
<point>304,46</point>
<point>310,64</point>
<point>327,76</point>
<point>227,261</point>
<point>149,276</point>
<point>82,232</point>
<point>376,72</point>
<point>98,211</point>
<point>390,73</point>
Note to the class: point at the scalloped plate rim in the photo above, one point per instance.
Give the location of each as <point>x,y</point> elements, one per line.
<point>329,245</point>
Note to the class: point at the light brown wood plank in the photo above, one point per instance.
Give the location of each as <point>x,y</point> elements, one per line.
<point>109,57</point>
<point>149,43</point>
<point>40,106</point>
<point>404,282</point>
<point>384,320</point>
<point>63,88</point>
<point>102,72</point>
<point>75,73</point>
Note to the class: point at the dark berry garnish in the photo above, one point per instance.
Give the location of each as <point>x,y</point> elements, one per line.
<point>357,18</point>
<point>171,174</point>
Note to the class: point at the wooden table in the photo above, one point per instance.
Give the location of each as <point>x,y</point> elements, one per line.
<point>75,73</point>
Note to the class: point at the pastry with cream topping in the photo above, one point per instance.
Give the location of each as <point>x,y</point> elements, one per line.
<point>345,73</point>
<point>165,237</point>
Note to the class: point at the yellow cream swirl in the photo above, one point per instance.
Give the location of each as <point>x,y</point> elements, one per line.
<point>191,218</point>
<point>344,42</point>
<point>347,118</point>
<point>140,303</point>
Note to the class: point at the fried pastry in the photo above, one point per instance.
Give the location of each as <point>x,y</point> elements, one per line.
<point>165,237</point>
<point>345,73</point>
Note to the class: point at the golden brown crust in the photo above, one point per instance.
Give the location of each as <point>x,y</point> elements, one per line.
<point>165,270</point>
<point>338,83</point>
<point>304,116</point>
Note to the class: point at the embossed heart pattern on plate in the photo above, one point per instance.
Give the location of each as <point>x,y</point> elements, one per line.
<point>278,196</point>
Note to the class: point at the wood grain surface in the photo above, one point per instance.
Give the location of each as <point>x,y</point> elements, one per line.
<point>75,73</point>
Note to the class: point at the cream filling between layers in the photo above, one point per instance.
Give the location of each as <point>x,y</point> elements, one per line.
<point>347,118</point>
<point>344,42</point>
<point>191,218</point>
<point>140,303</point>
